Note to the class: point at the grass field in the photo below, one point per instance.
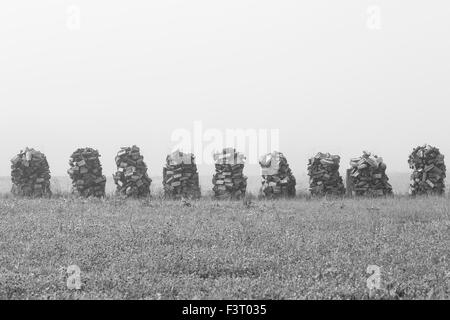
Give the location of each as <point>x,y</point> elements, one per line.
<point>296,249</point>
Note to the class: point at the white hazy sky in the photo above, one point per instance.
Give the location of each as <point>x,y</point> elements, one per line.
<point>137,70</point>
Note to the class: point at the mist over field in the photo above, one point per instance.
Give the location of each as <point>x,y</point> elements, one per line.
<point>135,73</point>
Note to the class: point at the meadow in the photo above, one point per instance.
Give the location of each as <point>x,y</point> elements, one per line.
<point>206,249</point>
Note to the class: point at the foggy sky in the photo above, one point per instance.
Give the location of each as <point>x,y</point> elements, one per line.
<point>136,71</point>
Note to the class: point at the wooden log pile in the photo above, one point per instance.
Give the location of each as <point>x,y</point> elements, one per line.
<point>30,174</point>
<point>429,171</point>
<point>180,176</point>
<point>86,173</point>
<point>229,181</point>
<point>277,178</point>
<point>131,177</point>
<point>368,175</point>
<point>324,177</point>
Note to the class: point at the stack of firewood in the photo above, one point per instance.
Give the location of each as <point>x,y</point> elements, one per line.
<point>229,181</point>
<point>277,178</point>
<point>86,173</point>
<point>429,171</point>
<point>368,176</point>
<point>180,176</point>
<point>131,177</point>
<point>324,177</point>
<point>30,174</point>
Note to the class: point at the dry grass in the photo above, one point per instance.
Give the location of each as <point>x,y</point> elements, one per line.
<point>297,249</point>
